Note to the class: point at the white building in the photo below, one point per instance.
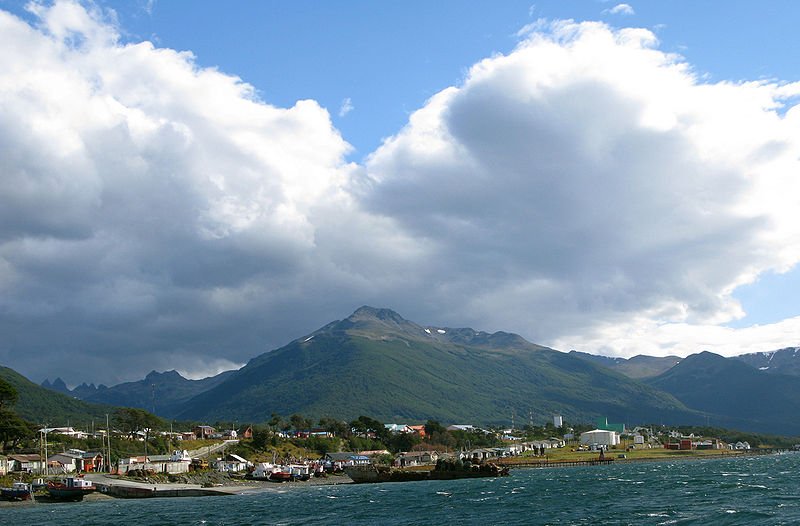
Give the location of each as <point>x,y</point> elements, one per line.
<point>176,463</point>
<point>600,437</point>
<point>558,421</point>
<point>462,427</point>
<point>232,464</point>
<point>67,431</point>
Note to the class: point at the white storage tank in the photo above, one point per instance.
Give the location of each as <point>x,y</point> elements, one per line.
<point>600,437</point>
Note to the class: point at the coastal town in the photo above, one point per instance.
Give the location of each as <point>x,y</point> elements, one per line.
<point>207,460</point>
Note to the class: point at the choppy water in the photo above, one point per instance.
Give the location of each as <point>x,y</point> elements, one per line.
<point>757,490</point>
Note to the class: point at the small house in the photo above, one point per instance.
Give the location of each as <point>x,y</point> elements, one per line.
<point>347,459</point>
<point>462,427</point>
<point>31,463</point>
<point>65,462</point>
<point>478,455</point>
<point>416,458</point>
<point>204,432</point>
<point>232,464</point>
<point>419,430</point>
<point>397,428</point>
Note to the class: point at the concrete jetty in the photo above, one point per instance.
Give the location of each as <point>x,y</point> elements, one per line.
<point>137,490</point>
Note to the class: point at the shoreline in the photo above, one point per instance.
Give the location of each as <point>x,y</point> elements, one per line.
<point>684,456</point>
<point>111,488</point>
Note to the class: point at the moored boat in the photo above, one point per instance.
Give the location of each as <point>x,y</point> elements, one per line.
<point>17,491</point>
<point>442,471</point>
<point>271,472</point>
<point>280,472</point>
<point>299,471</point>
<point>279,476</point>
<point>70,488</point>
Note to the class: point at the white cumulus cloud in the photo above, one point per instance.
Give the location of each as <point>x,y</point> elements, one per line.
<point>588,181</point>
<point>158,215</point>
<point>586,190</point>
<point>621,9</point>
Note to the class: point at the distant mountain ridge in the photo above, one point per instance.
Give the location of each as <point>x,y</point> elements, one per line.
<point>639,366</point>
<point>782,361</point>
<point>45,407</point>
<point>734,394</point>
<point>378,363</point>
<point>160,393</point>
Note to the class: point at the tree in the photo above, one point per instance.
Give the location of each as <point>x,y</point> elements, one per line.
<point>335,427</point>
<point>299,422</point>
<point>433,426</point>
<point>364,425</point>
<point>13,429</point>
<point>261,437</point>
<point>8,394</point>
<point>403,441</point>
<point>132,420</point>
<point>275,422</point>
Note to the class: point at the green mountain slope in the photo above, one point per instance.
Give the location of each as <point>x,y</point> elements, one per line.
<point>734,394</point>
<point>377,363</point>
<point>639,366</point>
<point>43,406</point>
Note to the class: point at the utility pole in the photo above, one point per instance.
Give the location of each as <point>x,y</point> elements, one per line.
<point>45,449</point>
<point>108,443</point>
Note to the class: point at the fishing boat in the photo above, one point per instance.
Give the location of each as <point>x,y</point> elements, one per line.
<point>17,491</point>
<point>444,470</point>
<point>281,474</point>
<point>70,488</point>
<point>299,471</point>
<point>271,472</point>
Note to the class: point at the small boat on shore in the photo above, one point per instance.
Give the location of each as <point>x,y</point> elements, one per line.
<point>271,472</point>
<point>70,488</point>
<point>442,471</point>
<point>299,471</point>
<point>17,491</point>
<point>280,475</point>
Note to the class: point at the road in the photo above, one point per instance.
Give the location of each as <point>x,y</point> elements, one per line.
<point>207,450</point>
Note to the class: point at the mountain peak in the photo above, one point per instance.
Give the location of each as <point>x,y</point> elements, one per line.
<point>166,375</point>
<point>57,385</point>
<point>377,321</point>
<point>371,313</point>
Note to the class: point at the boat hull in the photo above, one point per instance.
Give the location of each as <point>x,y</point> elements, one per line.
<point>69,494</point>
<point>15,494</point>
<point>72,489</point>
<point>372,474</point>
<point>279,476</point>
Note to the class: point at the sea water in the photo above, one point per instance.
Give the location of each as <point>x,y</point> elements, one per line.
<point>754,490</point>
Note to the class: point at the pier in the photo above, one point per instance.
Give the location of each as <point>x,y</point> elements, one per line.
<point>126,489</point>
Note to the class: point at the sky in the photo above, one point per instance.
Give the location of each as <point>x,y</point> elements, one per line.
<point>186,185</point>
